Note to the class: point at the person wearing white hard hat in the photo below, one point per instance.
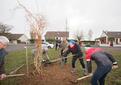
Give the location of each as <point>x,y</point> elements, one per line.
<point>46,58</point>
<point>3,44</point>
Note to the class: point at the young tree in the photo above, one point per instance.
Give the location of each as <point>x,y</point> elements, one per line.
<point>37,25</point>
<point>79,35</point>
<point>90,33</point>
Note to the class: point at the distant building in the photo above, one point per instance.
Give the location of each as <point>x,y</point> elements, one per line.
<point>16,38</point>
<point>55,34</point>
<point>109,38</point>
<point>87,42</point>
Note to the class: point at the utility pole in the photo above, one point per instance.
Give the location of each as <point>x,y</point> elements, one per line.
<point>66,27</point>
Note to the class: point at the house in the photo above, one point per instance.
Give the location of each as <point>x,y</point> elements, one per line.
<point>109,38</point>
<point>55,34</point>
<point>16,38</point>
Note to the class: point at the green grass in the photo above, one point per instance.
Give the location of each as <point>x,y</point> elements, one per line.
<point>17,58</point>
<point>53,54</point>
<point>114,77</point>
<point>12,61</point>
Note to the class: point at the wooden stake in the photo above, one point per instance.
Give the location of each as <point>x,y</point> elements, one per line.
<point>55,60</point>
<point>16,69</point>
<point>27,64</point>
<point>58,59</point>
<point>15,75</point>
<point>84,77</point>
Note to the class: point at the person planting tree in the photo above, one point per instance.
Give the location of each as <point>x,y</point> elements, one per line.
<point>3,44</point>
<point>105,62</point>
<point>75,49</point>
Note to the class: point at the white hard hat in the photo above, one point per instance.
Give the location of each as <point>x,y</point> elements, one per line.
<point>4,40</point>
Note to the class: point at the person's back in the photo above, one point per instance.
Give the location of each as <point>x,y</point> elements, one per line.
<point>76,50</point>
<point>104,62</point>
<point>45,53</point>
<point>101,59</point>
<point>63,45</point>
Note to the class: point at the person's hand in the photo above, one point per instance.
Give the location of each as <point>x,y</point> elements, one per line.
<point>114,66</point>
<point>2,76</point>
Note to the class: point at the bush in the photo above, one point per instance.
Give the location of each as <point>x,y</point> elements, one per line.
<point>50,40</point>
<point>32,41</point>
<point>87,45</point>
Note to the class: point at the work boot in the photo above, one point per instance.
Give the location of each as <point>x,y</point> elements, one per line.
<point>48,62</point>
<point>43,61</point>
<point>73,70</point>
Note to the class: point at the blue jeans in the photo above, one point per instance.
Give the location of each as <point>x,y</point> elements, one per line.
<point>100,74</point>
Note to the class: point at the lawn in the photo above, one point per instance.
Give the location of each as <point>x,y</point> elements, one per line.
<point>12,61</point>
<point>17,58</point>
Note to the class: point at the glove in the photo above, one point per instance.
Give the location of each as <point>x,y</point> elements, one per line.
<point>114,66</point>
<point>2,76</point>
<point>80,57</point>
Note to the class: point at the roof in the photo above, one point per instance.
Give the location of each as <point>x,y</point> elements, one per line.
<point>15,36</point>
<point>12,36</point>
<point>113,34</point>
<point>53,34</point>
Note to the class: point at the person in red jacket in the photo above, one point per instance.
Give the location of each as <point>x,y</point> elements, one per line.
<point>104,62</point>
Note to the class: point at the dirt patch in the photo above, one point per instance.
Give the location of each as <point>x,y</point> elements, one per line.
<point>53,74</point>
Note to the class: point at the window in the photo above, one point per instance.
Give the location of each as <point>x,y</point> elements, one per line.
<point>120,39</point>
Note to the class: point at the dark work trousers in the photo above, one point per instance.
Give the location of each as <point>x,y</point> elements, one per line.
<point>64,58</point>
<point>2,70</point>
<point>100,74</point>
<point>89,66</point>
<point>74,59</point>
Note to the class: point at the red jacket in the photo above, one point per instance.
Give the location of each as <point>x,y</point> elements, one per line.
<point>91,51</point>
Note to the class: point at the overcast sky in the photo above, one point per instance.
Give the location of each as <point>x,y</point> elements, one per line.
<point>81,15</point>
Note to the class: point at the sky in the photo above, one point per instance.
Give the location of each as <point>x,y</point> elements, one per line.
<point>80,15</point>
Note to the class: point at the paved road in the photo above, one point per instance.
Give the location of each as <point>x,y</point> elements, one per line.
<point>22,46</point>
<point>109,49</point>
<point>12,47</point>
<point>112,50</point>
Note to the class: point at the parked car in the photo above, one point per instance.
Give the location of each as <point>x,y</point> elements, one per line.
<point>44,44</point>
<point>48,44</point>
